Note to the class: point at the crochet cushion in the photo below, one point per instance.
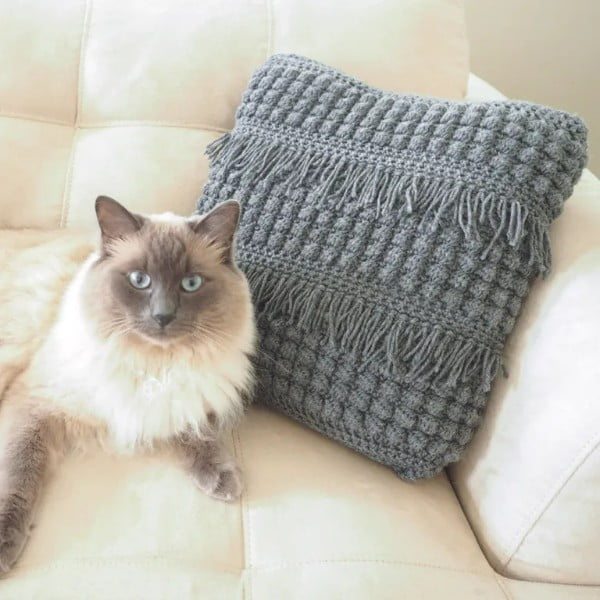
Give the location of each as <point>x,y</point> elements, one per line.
<point>389,241</point>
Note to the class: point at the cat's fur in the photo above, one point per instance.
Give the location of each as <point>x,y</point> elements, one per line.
<point>83,358</point>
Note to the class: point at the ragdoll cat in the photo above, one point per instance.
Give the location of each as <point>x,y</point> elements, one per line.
<point>143,344</point>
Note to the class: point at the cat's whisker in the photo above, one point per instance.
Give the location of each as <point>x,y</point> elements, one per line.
<point>205,333</point>
<point>115,326</point>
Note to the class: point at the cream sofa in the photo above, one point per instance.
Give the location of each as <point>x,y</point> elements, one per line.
<point>120,97</point>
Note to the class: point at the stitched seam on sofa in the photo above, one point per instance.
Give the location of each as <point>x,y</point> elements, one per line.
<point>582,456</point>
<point>126,561</point>
<point>505,591</point>
<point>368,561</point>
<point>237,454</point>
<point>433,318</point>
<point>585,586</point>
<point>82,54</point>
<point>27,117</point>
<point>269,27</point>
<point>178,560</point>
<point>373,154</point>
<point>66,201</point>
<point>245,522</point>
<point>153,123</point>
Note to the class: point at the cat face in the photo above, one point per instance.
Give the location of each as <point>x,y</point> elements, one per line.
<point>167,279</point>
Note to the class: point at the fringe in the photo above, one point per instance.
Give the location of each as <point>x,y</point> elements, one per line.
<point>339,178</point>
<point>420,351</point>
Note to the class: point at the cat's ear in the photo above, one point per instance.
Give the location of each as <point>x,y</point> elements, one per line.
<point>219,225</point>
<point>115,221</point>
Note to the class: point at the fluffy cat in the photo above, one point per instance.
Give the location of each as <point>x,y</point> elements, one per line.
<point>143,344</point>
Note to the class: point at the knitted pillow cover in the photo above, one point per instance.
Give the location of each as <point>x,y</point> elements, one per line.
<point>389,241</point>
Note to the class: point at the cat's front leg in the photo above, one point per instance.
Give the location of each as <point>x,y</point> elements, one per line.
<point>212,466</point>
<point>24,458</point>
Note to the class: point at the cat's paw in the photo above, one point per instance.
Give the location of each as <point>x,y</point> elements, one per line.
<point>14,532</point>
<point>220,481</point>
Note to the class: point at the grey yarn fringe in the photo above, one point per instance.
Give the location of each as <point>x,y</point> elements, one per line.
<point>336,179</point>
<point>408,347</point>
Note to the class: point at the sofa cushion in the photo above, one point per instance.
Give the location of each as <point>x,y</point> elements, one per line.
<point>121,98</point>
<point>389,241</point>
<point>316,520</point>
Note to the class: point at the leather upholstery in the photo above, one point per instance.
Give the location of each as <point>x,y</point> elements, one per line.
<point>316,521</point>
<point>120,98</point>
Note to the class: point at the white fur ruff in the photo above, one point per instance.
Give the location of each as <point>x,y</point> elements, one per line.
<point>138,398</point>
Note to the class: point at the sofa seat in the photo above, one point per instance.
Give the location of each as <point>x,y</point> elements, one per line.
<point>316,520</point>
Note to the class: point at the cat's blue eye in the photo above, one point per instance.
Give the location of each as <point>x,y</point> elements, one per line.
<point>191,283</point>
<point>140,280</point>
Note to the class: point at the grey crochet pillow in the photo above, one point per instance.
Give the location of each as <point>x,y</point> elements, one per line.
<point>390,241</point>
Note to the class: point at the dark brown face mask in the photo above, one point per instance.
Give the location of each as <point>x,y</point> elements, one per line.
<point>166,278</point>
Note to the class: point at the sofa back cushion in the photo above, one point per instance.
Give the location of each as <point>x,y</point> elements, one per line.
<point>121,98</point>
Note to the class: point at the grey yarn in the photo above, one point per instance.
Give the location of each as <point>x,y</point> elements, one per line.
<point>389,241</point>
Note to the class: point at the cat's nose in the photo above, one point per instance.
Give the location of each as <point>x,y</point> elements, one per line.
<point>163,319</point>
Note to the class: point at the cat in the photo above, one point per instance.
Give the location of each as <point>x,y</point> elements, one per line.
<point>142,343</point>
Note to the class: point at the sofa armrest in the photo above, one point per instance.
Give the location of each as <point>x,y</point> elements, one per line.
<point>479,89</point>
<point>530,482</point>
